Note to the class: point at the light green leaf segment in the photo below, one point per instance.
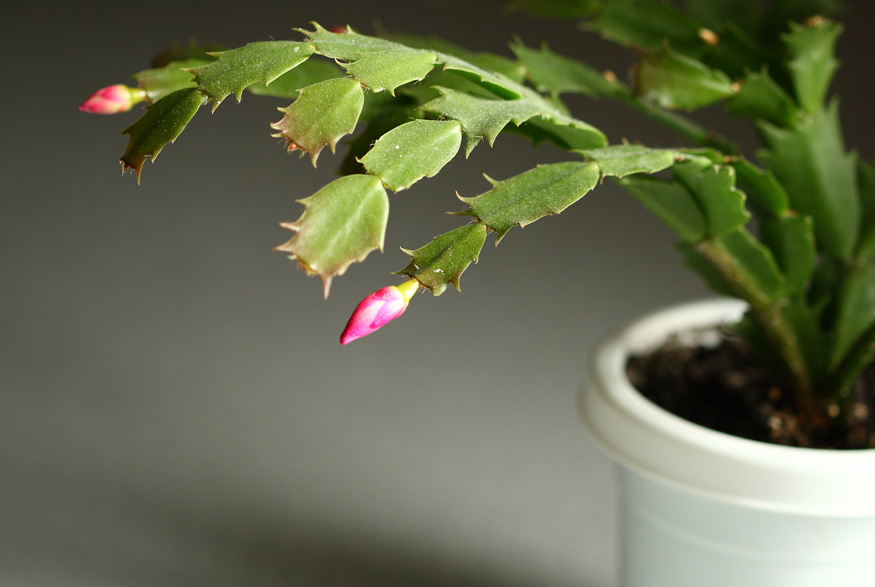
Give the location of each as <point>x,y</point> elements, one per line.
<point>520,200</point>
<point>234,70</point>
<point>412,151</point>
<point>163,122</point>
<point>806,267</point>
<point>323,113</point>
<point>341,223</point>
<point>445,258</point>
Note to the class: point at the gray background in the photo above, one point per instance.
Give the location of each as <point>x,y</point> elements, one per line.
<point>174,406</point>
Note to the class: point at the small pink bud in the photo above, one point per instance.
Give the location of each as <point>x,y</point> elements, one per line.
<point>379,308</point>
<point>113,99</point>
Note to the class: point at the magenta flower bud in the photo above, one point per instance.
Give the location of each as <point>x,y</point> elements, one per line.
<point>113,99</point>
<point>378,309</point>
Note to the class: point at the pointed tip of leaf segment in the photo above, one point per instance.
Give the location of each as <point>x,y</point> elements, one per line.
<point>464,200</point>
<point>500,235</point>
<point>292,146</point>
<point>288,246</point>
<point>472,141</point>
<point>494,182</point>
<point>290,226</point>
<point>135,167</point>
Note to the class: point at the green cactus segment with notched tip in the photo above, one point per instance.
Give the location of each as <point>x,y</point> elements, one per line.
<point>445,258</point>
<point>553,119</point>
<point>161,124</point>
<point>236,69</point>
<point>378,64</point>
<point>810,161</point>
<point>341,224</point>
<point>347,45</point>
<point>713,187</point>
<point>389,69</point>
<point>644,24</point>
<point>522,199</point>
<point>760,97</point>
<point>555,74</point>
<point>480,118</point>
<point>813,64</point>
<point>679,82</point>
<point>791,241</point>
<point>762,188</point>
<point>412,151</point>
<point>623,160</point>
<point>322,114</point>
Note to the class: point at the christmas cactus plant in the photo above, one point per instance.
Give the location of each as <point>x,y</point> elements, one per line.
<point>790,228</point>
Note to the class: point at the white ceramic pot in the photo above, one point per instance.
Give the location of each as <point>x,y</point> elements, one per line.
<point>704,508</point>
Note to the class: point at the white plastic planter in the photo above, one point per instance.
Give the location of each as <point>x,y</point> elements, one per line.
<point>702,508</point>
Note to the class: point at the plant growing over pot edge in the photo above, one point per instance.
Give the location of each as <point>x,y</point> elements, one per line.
<point>789,229</point>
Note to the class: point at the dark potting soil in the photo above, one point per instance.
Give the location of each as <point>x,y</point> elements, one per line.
<point>724,388</point>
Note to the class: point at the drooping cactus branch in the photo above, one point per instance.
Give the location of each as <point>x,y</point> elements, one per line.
<point>790,229</point>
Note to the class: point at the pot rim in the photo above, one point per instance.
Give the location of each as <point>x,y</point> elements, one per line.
<point>644,437</point>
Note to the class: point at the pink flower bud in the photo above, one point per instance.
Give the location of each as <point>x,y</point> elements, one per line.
<point>113,99</point>
<point>379,308</point>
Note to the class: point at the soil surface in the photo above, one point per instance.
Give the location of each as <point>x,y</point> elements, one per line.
<point>724,388</point>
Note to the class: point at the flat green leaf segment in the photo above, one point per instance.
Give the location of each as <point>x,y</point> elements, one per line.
<point>647,24</point>
<point>161,81</point>
<point>256,62</point>
<point>579,134</point>
<point>713,187</point>
<point>762,187</point>
<point>161,124</point>
<point>412,151</point>
<point>444,259</point>
<point>813,64</point>
<point>520,200</point>
<point>810,161</point>
<point>322,114</point>
<point>623,160</point>
<point>555,74</point>
<point>289,84</point>
<point>760,97</point>
<point>679,82</point>
<point>380,64</point>
<point>341,224</point>
<point>349,45</point>
<point>480,118</point>
<point>791,241</point>
<point>387,70</point>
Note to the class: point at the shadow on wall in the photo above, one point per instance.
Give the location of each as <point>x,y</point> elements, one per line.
<point>117,534</point>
